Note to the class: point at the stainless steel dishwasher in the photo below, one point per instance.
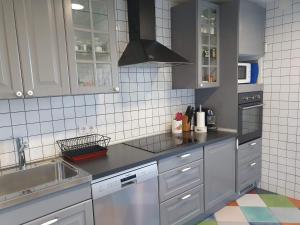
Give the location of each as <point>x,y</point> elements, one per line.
<point>127,198</point>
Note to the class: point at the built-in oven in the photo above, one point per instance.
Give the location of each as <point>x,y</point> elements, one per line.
<point>250,116</point>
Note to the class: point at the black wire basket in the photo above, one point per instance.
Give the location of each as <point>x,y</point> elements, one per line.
<point>84,147</point>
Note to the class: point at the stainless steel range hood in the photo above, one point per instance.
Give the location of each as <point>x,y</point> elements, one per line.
<point>142,47</point>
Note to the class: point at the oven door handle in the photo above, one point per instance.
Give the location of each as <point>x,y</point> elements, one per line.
<point>253,106</point>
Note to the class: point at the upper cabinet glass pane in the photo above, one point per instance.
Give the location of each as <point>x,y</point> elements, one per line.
<point>213,56</point>
<point>83,45</point>
<point>100,23</point>
<point>102,50</point>
<point>213,17</point>
<point>205,56</point>
<point>100,16</point>
<point>103,75</point>
<point>209,45</point>
<point>99,7</point>
<point>205,17</point>
<point>86,76</point>
<point>81,14</point>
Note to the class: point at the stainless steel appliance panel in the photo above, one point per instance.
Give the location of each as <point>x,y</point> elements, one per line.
<point>128,199</point>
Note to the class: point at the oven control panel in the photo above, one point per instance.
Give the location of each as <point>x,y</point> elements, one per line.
<point>250,97</point>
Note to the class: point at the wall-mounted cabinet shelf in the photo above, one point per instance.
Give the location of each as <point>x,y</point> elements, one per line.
<point>195,36</point>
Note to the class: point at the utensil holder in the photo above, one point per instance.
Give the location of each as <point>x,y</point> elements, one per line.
<point>186,125</point>
<point>176,127</point>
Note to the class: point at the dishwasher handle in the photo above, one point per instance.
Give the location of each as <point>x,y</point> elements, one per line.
<point>128,181</point>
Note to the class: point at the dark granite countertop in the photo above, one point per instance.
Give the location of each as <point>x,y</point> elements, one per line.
<point>122,157</point>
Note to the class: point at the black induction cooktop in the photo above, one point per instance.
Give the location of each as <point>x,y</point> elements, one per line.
<point>163,142</point>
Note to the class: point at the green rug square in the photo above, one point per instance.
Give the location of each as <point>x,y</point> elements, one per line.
<point>208,222</point>
<point>258,214</point>
<point>277,201</point>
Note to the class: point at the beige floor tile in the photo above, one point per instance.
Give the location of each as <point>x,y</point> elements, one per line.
<point>251,200</point>
<point>230,214</point>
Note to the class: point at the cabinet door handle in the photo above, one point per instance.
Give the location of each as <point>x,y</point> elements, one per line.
<point>185,155</point>
<point>30,93</point>
<point>19,94</point>
<point>186,197</point>
<point>253,164</point>
<point>50,222</point>
<point>253,144</point>
<point>186,169</point>
<point>117,89</point>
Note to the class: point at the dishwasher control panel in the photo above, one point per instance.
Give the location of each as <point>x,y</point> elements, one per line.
<point>124,179</point>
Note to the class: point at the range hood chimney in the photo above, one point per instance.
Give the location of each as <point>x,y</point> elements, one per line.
<point>142,46</point>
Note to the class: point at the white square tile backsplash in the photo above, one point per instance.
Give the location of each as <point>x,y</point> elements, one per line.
<point>281,73</point>
<point>144,106</point>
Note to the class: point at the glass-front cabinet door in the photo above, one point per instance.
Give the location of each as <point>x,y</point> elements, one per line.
<point>208,36</point>
<point>91,36</point>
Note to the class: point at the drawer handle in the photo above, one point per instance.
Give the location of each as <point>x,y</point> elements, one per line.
<point>186,197</point>
<point>185,156</point>
<point>253,164</point>
<point>186,169</point>
<point>50,222</point>
<point>252,144</point>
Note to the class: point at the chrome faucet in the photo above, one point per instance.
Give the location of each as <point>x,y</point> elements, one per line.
<point>21,145</point>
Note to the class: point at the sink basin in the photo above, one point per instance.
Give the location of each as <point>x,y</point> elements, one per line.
<point>36,178</point>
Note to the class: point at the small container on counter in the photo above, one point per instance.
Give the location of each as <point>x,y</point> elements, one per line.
<point>177,124</point>
<point>186,124</point>
<point>176,127</point>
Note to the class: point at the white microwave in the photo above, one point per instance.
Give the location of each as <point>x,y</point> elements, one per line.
<point>244,73</point>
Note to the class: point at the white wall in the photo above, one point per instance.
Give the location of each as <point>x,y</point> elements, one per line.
<point>145,105</point>
<point>281,131</point>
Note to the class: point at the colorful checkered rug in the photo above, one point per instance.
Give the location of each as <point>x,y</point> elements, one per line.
<point>258,208</point>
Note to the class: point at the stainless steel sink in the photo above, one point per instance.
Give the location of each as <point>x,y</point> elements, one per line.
<point>37,180</point>
<point>37,177</point>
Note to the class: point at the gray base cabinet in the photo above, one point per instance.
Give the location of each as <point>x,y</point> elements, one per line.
<point>70,205</point>
<point>176,181</point>
<point>248,165</point>
<point>181,187</point>
<point>182,208</point>
<point>80,214</point>
<point>219,172</point>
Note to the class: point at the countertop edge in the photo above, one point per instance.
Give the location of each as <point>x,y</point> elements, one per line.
<point>162,155</point>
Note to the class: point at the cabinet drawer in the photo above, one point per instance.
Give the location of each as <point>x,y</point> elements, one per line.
<point>81,214</point>
<point>180,159</point>
<point>182,208</point>
<point>249,171</point>
<point>249,151</point>
<point>176,181</point>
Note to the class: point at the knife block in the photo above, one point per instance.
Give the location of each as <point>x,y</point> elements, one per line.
<point>186,125</point>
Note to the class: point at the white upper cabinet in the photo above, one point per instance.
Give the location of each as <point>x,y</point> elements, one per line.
<point>42,47</point>
<point>91,39</point>
<point>10,72</point>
